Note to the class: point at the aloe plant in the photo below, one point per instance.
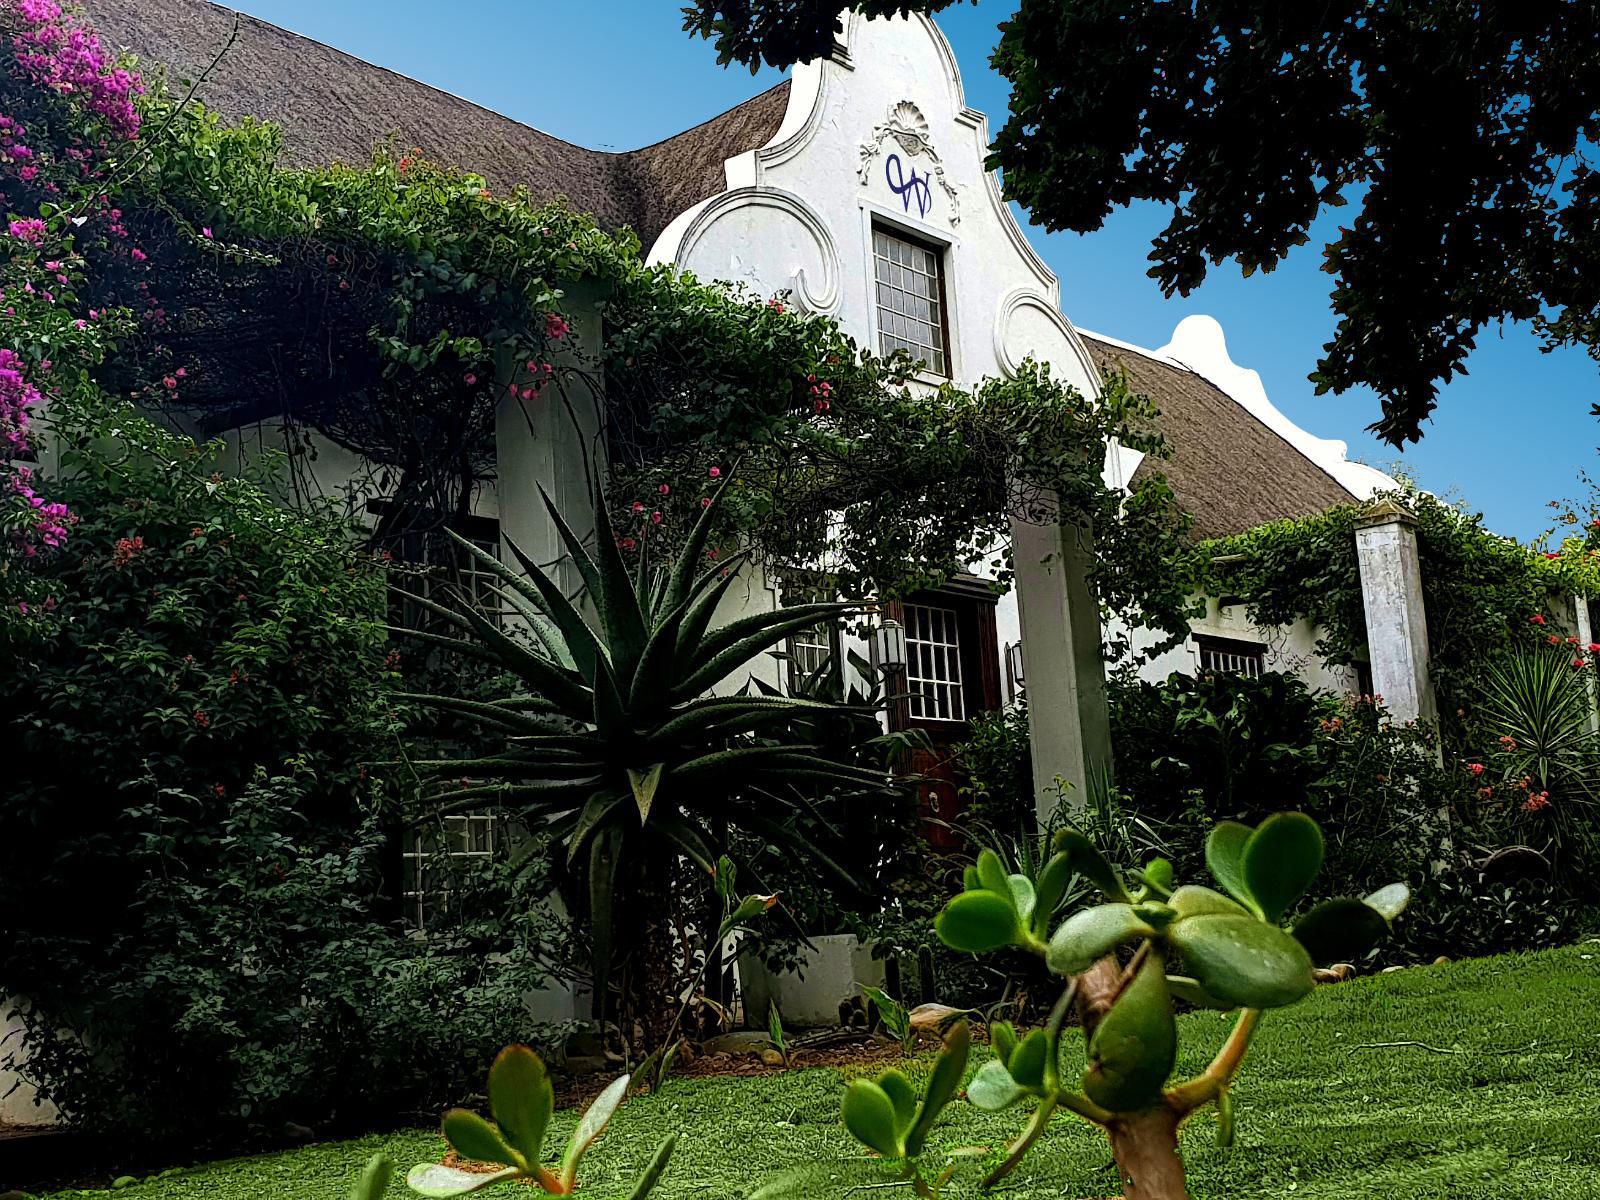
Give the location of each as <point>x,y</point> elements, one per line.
<point>521,1100</point>
<point>614,748</point>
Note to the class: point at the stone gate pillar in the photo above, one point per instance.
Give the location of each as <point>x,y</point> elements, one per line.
<point>1397,626</point>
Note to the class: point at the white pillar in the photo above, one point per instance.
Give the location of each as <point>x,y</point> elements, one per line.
<point>1580,610</point>
<point>1062,665</point>
<point>1397,626</point>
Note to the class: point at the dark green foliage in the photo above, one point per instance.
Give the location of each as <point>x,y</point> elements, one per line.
<point>781,32</point>
<point>197,860</point>
<point>1237,741</point>
<point>997,767</point>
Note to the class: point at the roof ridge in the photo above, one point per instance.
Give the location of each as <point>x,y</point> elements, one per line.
<point>671,137</point>
<point>1171,361</point>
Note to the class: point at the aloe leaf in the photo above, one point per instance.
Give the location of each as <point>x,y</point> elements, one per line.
<point>432,1179</point>
<point>583,643</point>
<point>1281,860</point>
<point>590,1126</point>
<point>644,784</point>
<point>620,607</point>
<point>605,848</point>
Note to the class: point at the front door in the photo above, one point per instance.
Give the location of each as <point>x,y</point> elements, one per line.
<point>952,673</point>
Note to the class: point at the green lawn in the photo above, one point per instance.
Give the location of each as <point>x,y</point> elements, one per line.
<point>1501,1101</point>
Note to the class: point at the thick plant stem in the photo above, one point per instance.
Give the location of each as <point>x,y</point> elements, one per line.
<point>1145,1145</point>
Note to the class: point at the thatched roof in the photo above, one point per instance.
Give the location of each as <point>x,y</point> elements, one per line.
<point>334,107</point>
<point>1230,471</point>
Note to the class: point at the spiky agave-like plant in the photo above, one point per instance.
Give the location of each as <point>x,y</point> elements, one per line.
<point>615,747</point>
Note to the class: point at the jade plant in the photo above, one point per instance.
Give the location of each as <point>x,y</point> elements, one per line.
<point>521,1100</point>
<point>1125,963</point>
<point>886,1114</point>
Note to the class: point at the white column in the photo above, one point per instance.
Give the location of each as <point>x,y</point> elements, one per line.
<point>1062,666</point>
<point>1580,609</point>
<point>1397,626</point>
<point>551,439</point>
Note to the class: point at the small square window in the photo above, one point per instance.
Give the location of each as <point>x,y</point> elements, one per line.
<point>910,300</point>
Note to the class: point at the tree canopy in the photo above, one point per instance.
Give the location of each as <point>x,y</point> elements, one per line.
<point>1461,134</point>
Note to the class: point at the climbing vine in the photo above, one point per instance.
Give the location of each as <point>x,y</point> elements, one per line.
<point>1482,593</point>
<point>403,312</point>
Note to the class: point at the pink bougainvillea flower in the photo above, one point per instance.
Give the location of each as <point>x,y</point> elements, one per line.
<point>655,517</point>
<point>1536,802</point>
<point>469,379</point>
<point>1475,768</point>
<point>715,472</point>
<point>638,506</point>
<point>1553,640</point>
<point>1578,662</point>
<point>555,327</point>
<point>205,231</point>
<point>665,489</point>
<point>705,501</point>
<point>1537,618</point>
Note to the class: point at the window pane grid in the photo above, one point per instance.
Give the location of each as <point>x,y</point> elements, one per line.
<point>1232,658</point>
<point>933,664</point>
<point>430,856</point>
<point>910,310</point>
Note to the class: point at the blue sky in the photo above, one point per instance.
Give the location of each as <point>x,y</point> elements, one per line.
<point>1508,438</point>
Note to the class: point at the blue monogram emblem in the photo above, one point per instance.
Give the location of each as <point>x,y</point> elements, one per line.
<point>913,189</point>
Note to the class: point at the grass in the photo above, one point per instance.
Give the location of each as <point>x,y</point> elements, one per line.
<point>1477,1080</point>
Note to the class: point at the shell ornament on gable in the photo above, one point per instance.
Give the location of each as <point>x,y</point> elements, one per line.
<point>909,128</point>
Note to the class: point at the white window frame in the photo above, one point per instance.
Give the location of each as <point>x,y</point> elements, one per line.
<point>934,678</point>
<point>419,897</point>
<point>882,314</point>
<point>1229,656</point>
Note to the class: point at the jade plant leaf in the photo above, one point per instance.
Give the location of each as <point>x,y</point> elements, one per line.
<point>374,1181</point>
<point>1281,860</point>
<point>472,1137</point>
<point>1027,1061</point>
<point>1189,990</point>
<point>432,1179</point>
<point>942,1084</point>
<point>521,1099</point>
<point>1225,859</point>
<point>1243,961</point>
<point>1089,935</point>
<point>653,1170</point>
<point>902,1094</point>
<point>870,1117</point>
<point>992,873</point>
<point>993,1087</point>
<point>590,1126</point>
<point>1048,888</point>
<point>1340,929</point>
<point>975,922</point>
<point>1194,901</point>
<point>1135,1046</point>
<point>1002,1039</point>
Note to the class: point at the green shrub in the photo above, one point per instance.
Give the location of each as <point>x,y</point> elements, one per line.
<point>194,880</point>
